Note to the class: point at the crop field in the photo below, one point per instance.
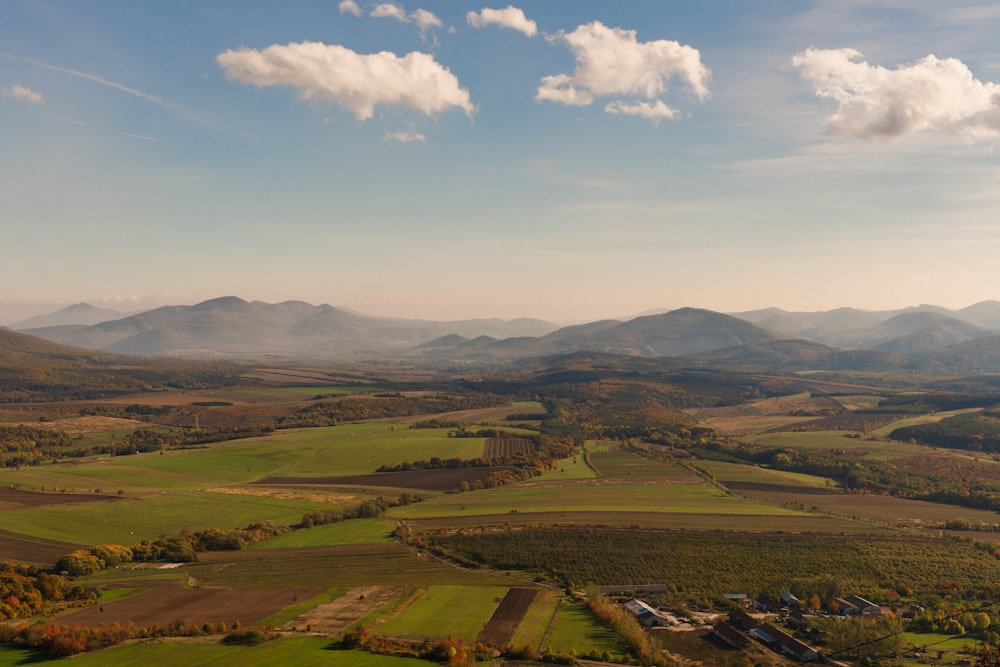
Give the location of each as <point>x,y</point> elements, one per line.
<point>339,565</point>
<point>507,617</point>
<point>620,463</point>
<point>445,479</point>
<point>467,609</point>
<point>507,447</point>
<point>163,604</point>
<point>567,469</point>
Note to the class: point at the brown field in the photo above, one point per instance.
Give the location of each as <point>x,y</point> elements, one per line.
<point>34,550</point>
<point>336,616</point>
<point>506,447</point>
<point>500,629</point>
<point>745,424</point>
<point>11,498</point>
<point>446,479</point>
<point>166,603</point>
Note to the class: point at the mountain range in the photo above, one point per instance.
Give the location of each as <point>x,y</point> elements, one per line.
<point>920,337</point>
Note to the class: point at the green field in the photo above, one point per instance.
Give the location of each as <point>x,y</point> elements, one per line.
<point>355,531</point>
<point>538,620</point>
<point>466,608</point>
<point>576,627</point>
<point>133,520</point>
<point>738,472</point>
<point>296,651</point>
<point>620,463</point>
<point>835,440</point>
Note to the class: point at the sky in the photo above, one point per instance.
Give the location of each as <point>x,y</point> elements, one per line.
<point>446,160</point>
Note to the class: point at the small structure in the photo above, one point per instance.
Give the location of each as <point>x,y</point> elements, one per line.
<point>739,598</point>
<point>647,616</point>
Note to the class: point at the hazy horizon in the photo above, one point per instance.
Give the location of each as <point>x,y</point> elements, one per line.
<point>563,161</point>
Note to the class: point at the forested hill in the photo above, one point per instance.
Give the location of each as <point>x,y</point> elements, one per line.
<point>33,369</point>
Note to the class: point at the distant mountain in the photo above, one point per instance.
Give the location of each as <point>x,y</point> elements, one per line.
<point>912,329</point>
<point>679,332</point>
<point>78,314</point>
<point>231,326</point>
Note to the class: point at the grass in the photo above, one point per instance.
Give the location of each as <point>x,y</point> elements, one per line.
<point>567,469</point>
<point>738,472</point>
<point>356,531</point>
<point>133,520</point>
<point>112,594</point>
<point>577,628</point>
<point>299,651</point>
<point>466,608</point>
<point>835,440</point>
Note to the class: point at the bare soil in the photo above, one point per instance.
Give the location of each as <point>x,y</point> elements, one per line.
<point>12,498</point>
<point>165,604</point>
<point>334,617</point>
<point>34,550</point>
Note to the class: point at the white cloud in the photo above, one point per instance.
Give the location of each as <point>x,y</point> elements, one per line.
<point>349,7</point>
<point>23,94</point>
<point>404,137</point>
<point>389,10</point>
<point>356,82</point>
<point>509,17</point>
<point>655,111</point>
<point>611,61</point>
<point>422,18</point>
<point>874,102</point>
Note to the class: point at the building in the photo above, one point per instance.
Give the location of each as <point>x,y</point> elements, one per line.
<point>729,635</point>
<point>647,616</point>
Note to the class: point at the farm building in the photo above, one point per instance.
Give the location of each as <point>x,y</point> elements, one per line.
<point>742,620</point>
<point>647,616</point>
<point>729,634</point>
<point>864,607</point>
<point>782,642</point>
<point>789,600</point>
<point>738,598</point>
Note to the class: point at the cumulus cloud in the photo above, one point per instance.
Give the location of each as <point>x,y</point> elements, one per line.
<point>423,19</point>
<point>355,82</point>
<point>612,62</point>
<point>349,7</point>
<point>877,103</point>
<point>23,94</point>
<point>509,17</point>
<point>654,111</point>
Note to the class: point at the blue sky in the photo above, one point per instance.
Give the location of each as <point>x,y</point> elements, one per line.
<point>564,160</point>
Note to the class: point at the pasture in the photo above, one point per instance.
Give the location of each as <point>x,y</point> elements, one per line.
<point>836,441</point>
<point>574,627</point>
<point>467,609</point>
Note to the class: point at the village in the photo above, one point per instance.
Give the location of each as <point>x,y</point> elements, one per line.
<point>751,619</point>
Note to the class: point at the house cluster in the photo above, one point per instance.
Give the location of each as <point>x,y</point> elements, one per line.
<point>849,605</point>
<point>740,626</point>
